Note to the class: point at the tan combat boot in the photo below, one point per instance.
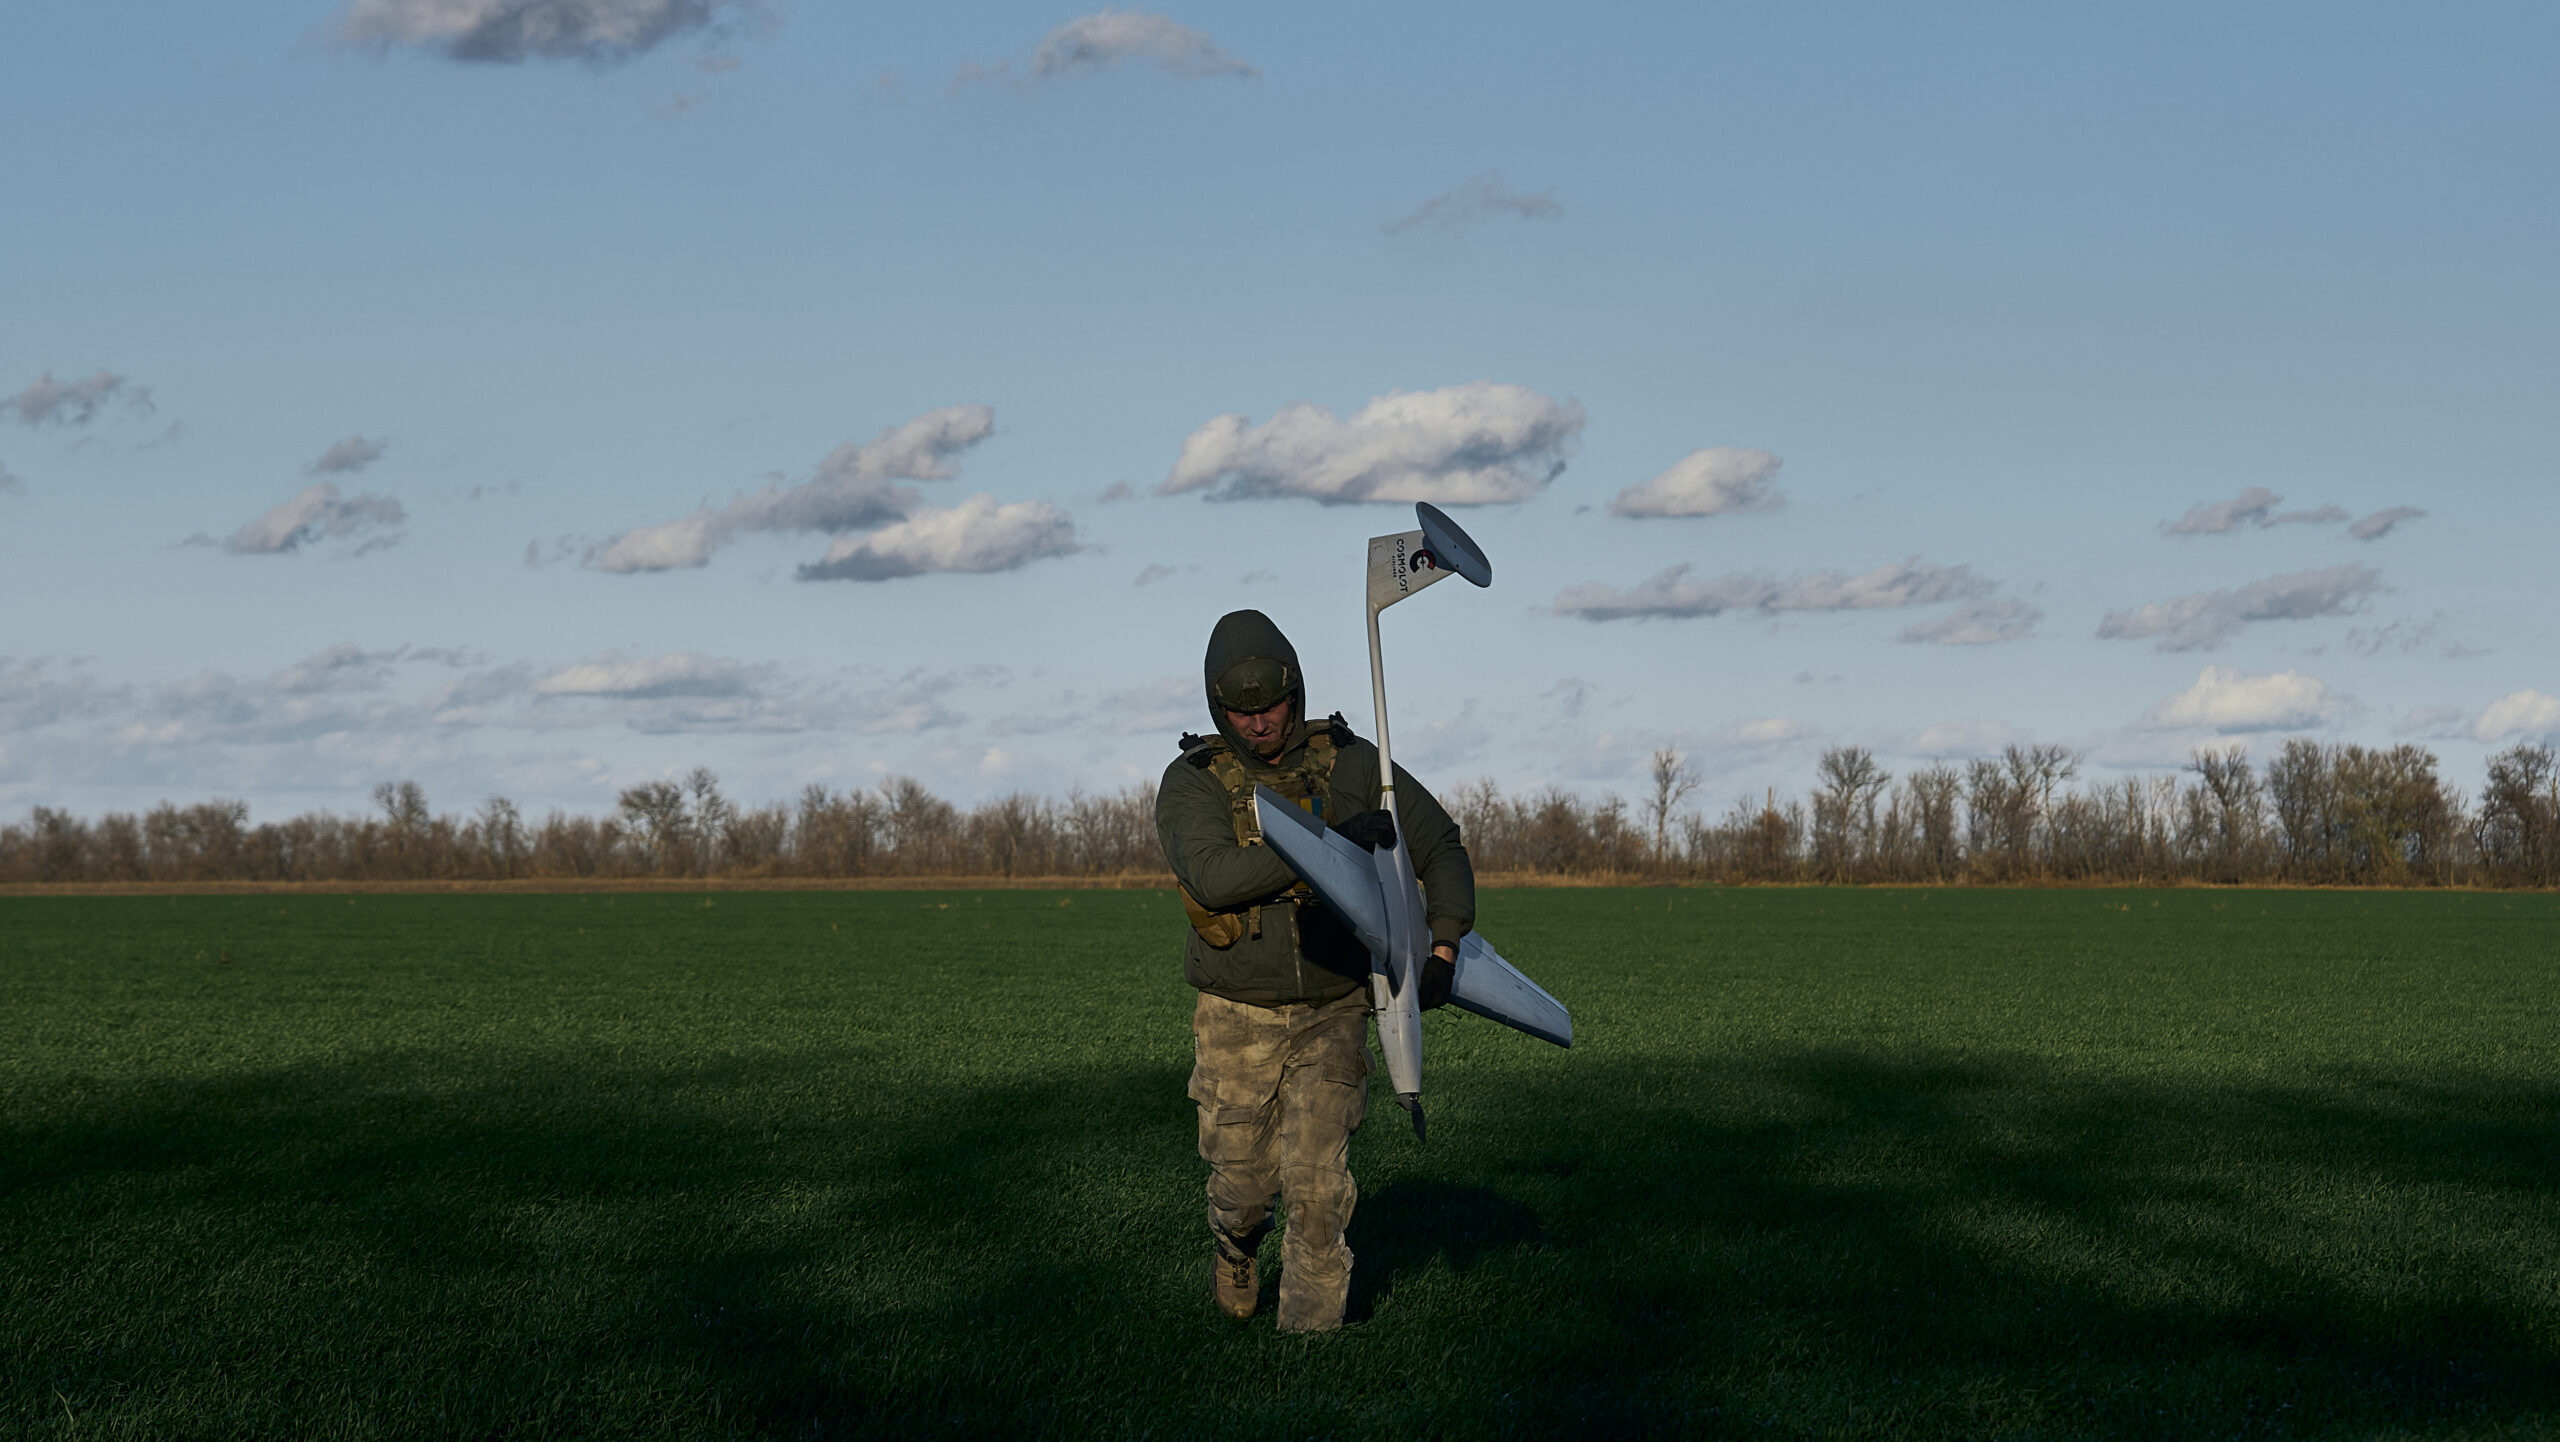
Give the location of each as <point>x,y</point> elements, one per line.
<point>1236,1282</point>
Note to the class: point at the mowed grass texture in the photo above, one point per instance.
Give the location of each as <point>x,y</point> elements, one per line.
<point>1824,1163</point>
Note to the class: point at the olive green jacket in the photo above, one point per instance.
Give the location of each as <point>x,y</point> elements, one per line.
<point>1299,952</point>
<point>1303,953</point>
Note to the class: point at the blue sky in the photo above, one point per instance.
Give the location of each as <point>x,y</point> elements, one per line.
<point>1956,353</point>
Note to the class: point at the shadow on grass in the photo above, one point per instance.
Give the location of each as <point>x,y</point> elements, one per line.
<point>1405,1226</point>
<point>1870,1244</point>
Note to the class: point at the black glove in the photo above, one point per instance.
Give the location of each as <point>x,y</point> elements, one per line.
<point>1375,830</point>
<point>1438,976</point>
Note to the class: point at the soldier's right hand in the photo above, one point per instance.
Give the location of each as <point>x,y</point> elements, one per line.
<point>1439,973</point>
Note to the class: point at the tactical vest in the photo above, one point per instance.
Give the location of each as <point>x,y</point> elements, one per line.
<point>1307,782</point>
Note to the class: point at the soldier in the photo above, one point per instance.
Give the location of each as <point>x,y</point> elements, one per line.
<point>1280,1032</point>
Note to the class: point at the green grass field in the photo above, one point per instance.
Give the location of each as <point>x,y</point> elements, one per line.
<point>1825,1163</point>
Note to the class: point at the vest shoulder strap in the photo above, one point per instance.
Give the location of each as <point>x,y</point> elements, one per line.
<point>1312,775</point>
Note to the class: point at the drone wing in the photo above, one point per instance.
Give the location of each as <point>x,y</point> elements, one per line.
<point>1339,869</point>
<point>1493,988</point>
<point>1347,879</point>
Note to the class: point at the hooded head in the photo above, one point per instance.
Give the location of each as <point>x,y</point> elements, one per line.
<point>1252,667</point>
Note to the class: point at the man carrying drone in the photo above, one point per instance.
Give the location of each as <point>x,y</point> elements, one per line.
<point>1280,1031</point>
<point>1268,815</point>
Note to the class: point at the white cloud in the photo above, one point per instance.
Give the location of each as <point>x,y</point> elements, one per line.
<point>1153,574</point>
<point>978,535</point>
<point>853,487</point>
<point>332,699</point>
<point>471,700</point>
<point>689,692</point>
<point>680,544</point>
<point>1462,206</point>
<point>33,694</point>
<point>1165,706</point>
<point>329,725</point>
<point>680,692</point>
<point>2213,518</point>
<point>47,401</point>
<point>341,668</point>
<point>911,704</point>
<point>1113,37</point>
<point>1762,731</point>
<point>2203,620</point>
<point>1913,582</point>
<point>919,450</point>
<point>675,673</point>
<point>2408,636</point>
<point>509,32</point>
<point>2255,508</point>
<point>317,512</point>
<point>1473,444</point>
<point>1983,623</point>
<point>346,457</point>
<point>2434,721</point>
<point>2378,525</point>
<point>2520,713</point>
<point>2226,699</point>
<point>1716,481</point>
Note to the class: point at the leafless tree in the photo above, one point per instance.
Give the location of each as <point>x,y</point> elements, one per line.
<point>1110,834</point>
<point>2235,813</point>
<point>709,832</point>
<point>1934,794</point>
<point>923,828</point>
<point>1673,779</point>
<point>656,813</point>
<point>836,835</point>
<point>1844,809</point>
<point>2396,818</point>
<point>2302,792</point>
<point>2519,821</point>
<point>1489,823</point>
<point>501,837</point>
<point>1998,820</point>
<point>1009,833</point>
<point>1760,840</point>
<point>2315,813</point>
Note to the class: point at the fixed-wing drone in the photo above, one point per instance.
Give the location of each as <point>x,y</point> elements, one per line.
<point>1375,892</point>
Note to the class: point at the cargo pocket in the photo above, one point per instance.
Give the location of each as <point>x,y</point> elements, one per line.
<point>1236,1122</point>
<point>1229,1098</point>
<point>1349,1066</point>
<point>1241,1096</point>
<point>1335,1088</point>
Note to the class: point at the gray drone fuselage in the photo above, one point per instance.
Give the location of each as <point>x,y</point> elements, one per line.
<point>1376,893</point>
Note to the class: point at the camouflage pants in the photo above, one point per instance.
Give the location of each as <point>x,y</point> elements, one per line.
<point>1281,1089</point>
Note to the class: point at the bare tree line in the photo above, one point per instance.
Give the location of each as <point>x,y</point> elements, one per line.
<point>659,829</point>
<point>2313,814</point>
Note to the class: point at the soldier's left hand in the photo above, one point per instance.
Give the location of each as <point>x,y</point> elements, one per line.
<point>1375,830</point>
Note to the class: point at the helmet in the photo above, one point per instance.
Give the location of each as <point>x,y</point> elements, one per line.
<point>1256,683</point>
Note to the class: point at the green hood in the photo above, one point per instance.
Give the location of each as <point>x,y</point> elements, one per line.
<point>1243,636</point>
